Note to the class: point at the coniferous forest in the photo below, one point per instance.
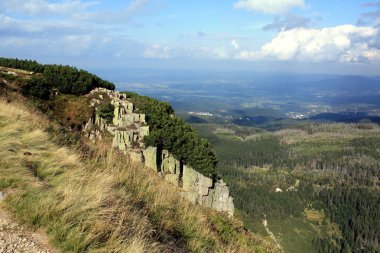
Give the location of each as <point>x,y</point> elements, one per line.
<point>65,79</point>
<point>335,177</point>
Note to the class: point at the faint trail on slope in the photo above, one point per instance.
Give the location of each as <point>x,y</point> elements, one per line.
<point>265,223</point>
<point>16,239</point>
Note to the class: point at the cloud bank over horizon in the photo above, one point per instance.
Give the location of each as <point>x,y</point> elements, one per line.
<point>261,31</point>
<point>346,43</point>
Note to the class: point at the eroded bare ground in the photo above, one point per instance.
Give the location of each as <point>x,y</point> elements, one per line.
<point>15,238</point>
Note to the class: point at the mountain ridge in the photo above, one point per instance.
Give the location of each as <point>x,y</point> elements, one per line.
<point>89,197</point>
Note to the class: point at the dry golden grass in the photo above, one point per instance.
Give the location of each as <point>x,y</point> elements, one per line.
<point>17,71</point>
<point>314,215</point>
<point>101,202</point>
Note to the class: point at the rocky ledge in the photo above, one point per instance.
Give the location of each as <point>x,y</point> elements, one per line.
<point>128,128</point>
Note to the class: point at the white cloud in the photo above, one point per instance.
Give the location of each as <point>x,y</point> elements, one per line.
<point>80,10</point>
<point>346,43</point>
<point>235,45</point>
<point>43,7</point>
<point>48,38</point>
<point>157,51</point>
<point>269,6</point>
<point>77,44</point>
<point>126,14</point>
<point>206,52</point>
<point>68,28</point>
<point>24,28</point>
<point>135,6</point>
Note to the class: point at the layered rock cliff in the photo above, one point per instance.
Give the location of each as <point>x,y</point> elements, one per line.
<point>128,129</point>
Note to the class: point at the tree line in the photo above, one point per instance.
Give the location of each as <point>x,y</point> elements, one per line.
<point>64,79</point>
<point>29,65</point>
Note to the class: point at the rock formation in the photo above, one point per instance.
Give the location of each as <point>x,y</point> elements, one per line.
<point>128,129</point>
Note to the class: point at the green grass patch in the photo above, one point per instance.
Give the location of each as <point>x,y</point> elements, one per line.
<point>287,230</point>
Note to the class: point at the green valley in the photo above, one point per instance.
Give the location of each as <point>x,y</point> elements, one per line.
<point>299,184</point>
<point>299,151</point>
<point>316,184</point>
<point>205,126</point>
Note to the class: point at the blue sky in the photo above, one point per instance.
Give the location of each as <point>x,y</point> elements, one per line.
<point>259,35</point>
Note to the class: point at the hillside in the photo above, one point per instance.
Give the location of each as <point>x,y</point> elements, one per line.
<point>87,196</point>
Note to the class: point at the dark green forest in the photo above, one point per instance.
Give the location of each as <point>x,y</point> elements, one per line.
<point>356,210</point>
<point>29,65</point>
<point>338,174</point>
<point>64,79</point>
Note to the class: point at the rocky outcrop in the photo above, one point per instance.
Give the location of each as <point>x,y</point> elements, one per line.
<point>170,168</point>
<point>206,192</point>
<point>128,129</point>
<point>150,157</point>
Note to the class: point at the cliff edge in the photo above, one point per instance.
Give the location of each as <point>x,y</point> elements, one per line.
<point>128,128</point>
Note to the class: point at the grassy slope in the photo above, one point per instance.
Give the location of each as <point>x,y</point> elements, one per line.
<point>101,202</point>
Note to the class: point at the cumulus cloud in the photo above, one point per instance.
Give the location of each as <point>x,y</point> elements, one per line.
<point>346,43</point>
<point>43,7</point>
<point>269,6</point>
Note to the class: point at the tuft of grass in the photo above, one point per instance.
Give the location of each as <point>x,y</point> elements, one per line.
<point>100,202</point>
